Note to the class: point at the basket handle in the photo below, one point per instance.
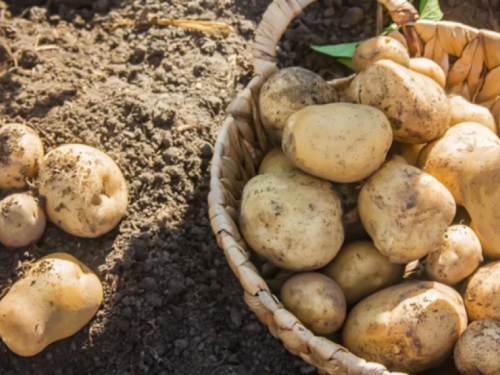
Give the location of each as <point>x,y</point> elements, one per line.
<point>280,13</point>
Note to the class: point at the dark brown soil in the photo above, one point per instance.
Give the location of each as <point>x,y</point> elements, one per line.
<point>154,100</point>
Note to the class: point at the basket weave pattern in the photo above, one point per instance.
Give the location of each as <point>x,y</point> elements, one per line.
<point>471,60</point>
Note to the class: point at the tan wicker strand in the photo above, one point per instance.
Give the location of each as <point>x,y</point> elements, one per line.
<point>471,60</point>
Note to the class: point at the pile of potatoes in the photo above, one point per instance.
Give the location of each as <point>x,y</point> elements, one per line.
<point>379,206</point>
<point>79,189</point>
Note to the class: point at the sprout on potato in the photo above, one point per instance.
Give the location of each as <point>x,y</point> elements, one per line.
<point>54,300</point>
<point>276,162</point>
<point>21,153</point>
<point>379,48</point>
<point>85,192</point>
<point>22,221</point>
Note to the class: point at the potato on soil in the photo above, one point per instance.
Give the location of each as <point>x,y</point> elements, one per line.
<point>407,151</point>
<point>428,68</point>
<point>276,162</point>
<point>294,220</point>
<point>22,221</point>
<point>464,111</point>
<point>405,211</point>
<point>379,48</point>
<point>416,106</point>
<point>84,190</point>
<point>488,251</point>
<point>481,293</point>
<point>54,300</point>
<point>21,153</point>
<point>411,327</point>
<point>444,157</point>
<point>340,142</point>
<point>316,300</point>
<point>457,257</point>
<point>477,350</point>
<point>360,270</point>
<point>287,91</point>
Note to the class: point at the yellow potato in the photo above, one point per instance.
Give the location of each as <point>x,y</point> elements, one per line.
<point>54,300</point>
<point>294,220</point>
<point>287,91</point>
<point>85,192</point>
<point>379,48</point>
<point>275,162</point>
<point>340,142</point>
<point>411,327</point>
<point>408,151</point>
<point>457,257</point>
<point>488,251</point>
<point>428,68</point>
<point>477,350</point>
<point>481,293</point>
<point>405,211</point>
<point>444,157</point>
<point>417,107</point>
<point>316,300</point>
<point>22,221</point>
<point>360,270</point>
<point>21,152</point>
<point>464,111</point>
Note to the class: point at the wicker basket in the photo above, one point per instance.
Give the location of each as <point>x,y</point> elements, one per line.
<point>471,60</point>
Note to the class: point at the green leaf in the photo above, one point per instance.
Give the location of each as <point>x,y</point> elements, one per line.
<point>389,29</point>
<point>347,62</point>
<point>345,50</point>
<point>430,10</point>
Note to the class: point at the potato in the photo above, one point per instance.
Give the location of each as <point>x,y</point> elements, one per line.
<point>54,300</point>
<point>276,162</point>
<point>476,352</point>
<point>360,270</point>
<point>340,142</point>
<point>481,293</point>
<point>287,91</point>
<point>428,68</point>
<point>464,111</point>
<point>457,257</point>
<point>294,220</point>
<point>22,221</point>
<point>444,157</point>
<point>379,48</point>
<point>408,151</point>
<point>316,300</point>
<point>84,190</point>
<point>488,251</point>
<point>480,192</point>
<point>405,211</point>
<point>21,152</point>
<point>411,327</point>
<point>416,106</point>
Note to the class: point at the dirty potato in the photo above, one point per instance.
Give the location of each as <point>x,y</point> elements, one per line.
<point>340,142</point>
<point>316,300</point>
<point>294,220</point>
<point>411,327</point>
<point>428,68</point>
<point>276,162</point>
<point>287,91</point>
<point>405,211</point>
<point>379,48</point>
<point>464,111</point>
<point>416,106</point>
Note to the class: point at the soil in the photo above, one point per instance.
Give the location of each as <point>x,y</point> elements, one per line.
<point>154,99</point>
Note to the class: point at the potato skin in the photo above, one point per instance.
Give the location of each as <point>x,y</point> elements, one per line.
<point>476,352</point>
<point>360,270</point>
<point>54,300</point>
<point>340,142</point>
<point>481,293</point>
<point>405,211</point>
<point>464,111</point>
<point>428,68</point>
<point>294,220</point>
<point>444,157</point>
<point>316,300</point>
<point>287,91</point>
<point>85,192</point>
<point>417,107</point>
<point>411,327</point>
<point>488,251</point>
<point>275,161</point>
<point>457,257</point>
<point>379,48</point>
